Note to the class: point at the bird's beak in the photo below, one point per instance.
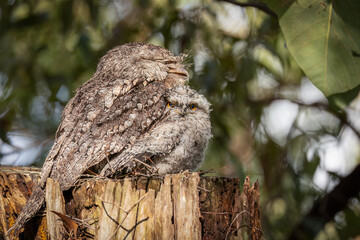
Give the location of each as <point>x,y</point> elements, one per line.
<point>179,71</point>
<point>181,112</point>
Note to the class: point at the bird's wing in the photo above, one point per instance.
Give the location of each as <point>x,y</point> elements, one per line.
<point>158,143</point>
<point>105,131</point>
<point>111,110</point>
<point>98,122</point>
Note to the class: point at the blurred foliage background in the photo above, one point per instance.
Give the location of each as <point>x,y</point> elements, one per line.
<point>269,121</point>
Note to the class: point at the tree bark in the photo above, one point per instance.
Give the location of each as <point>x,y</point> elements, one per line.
<point>178,206</point>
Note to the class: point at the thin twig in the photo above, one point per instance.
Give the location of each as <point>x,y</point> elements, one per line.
<point>109,163</point>
<point>203,189</point>
<point>102,203</point>
<point>137,203</point>
<point>136,224</point>
<point>127,212</point>
<point>232,222</point>
<point>216,213</point>
<point>117,205</point>
<point>146,165</point>
<point>203,172</point>
<point>245,225</point>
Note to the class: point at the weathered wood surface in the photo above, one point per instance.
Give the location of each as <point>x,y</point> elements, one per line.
<point>54,203</point>
<point>178,206</point>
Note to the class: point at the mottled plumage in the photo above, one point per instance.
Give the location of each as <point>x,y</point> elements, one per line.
<point>176,142</point>
<point>122,113</point>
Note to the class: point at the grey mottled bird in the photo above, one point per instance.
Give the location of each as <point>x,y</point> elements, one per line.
<point>134,114</point>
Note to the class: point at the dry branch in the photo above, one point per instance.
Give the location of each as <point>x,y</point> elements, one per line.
<point>179,206</point>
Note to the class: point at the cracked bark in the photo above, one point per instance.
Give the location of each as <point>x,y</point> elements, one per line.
<point>178,206</point>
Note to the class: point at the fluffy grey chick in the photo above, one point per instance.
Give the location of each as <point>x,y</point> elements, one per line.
<point>176,142</point>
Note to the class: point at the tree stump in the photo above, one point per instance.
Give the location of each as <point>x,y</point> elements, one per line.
<point>178,206</point>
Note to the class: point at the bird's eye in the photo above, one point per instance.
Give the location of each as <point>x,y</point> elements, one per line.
<point>193,106</point>
<point>170,104</point>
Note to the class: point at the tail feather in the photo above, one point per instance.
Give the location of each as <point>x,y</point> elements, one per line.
<point>32,206</point>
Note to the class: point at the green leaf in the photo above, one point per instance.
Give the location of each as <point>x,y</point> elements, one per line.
<point>340,101</point>
<point>324,38</point>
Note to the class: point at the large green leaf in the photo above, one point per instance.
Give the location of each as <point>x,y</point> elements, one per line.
<point>324,38</point>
